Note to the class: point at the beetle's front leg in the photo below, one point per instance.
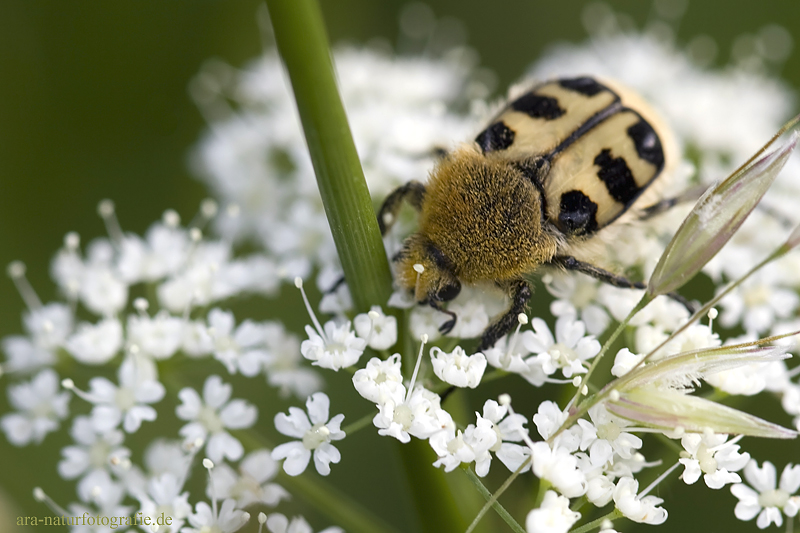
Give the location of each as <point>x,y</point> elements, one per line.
<point>520,292</point>
<point>413,192</point>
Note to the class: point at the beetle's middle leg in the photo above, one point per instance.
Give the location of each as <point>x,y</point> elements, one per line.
<point>570,263</point>
<point>520,293</point>
<point>413,192</point>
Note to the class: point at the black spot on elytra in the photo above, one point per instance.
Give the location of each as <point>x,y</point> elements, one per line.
<point>614,172</point>
<point>538,106</point>
<point>647,143</point>
<point>578,214</point>
<point>498,136</point>
<point>583,85</point>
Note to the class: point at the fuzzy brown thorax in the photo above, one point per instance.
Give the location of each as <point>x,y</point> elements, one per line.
<point>481,219</point>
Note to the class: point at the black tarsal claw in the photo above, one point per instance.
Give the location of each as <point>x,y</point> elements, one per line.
<point>448,326</point>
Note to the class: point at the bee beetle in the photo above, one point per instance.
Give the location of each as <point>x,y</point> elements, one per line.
<point>557,165</point>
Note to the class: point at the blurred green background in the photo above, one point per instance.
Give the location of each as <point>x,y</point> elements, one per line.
<point>94,104</point>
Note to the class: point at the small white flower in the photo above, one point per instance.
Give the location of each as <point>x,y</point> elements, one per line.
<point>624,362</point>
<point>316,434</point>
<point>41,408</point>
<point>159,336</point>
<point>643,510</point>
<point>695,337</point>
<point>600,490</point>
<point>164,496</point>
<point>482,438</point>
<point>577,295</point>
<point>213,415</point>
<point>473,317</point>
<point>425,320</point>
<point>606,437</point>
<point>758,303</point>
<point>25,356</point>
<point>548,418</point>
<point>96,344</point>
<point>93,450</point>
<point>568,351</point>
<point>419,415</point>
<point>509,428</point>
<point>558,466</point>
<point>337,348</point>
<point>128,402</point>
<point>100,488</point>
<point>457,368</point>
<point>284,365</point>
<point>163,456</point>
<point>49,325</point>
<point>380,380</point>
<point>379,330</point>
<point>242,349</point>
<point>508,357</point>
<point>228,520</point>
<point>766,500</point>
<point>451,448</point>
<point>197,342</point>
<point>161,253</point>
<point>251,484</point>
<point>708,454</point>
<point>202,279</point>
<point>278,523</point>
<point>102,291</point>
<point>554,515</point>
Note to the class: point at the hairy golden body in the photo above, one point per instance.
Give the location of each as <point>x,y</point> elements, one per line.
<point>496,214</point>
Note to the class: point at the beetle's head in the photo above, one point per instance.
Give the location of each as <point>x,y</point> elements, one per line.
<point>425,271</point>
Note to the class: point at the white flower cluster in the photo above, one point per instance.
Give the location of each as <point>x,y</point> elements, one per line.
<point>402,110</point>
<point>182,273</point>
<point>399,110</point>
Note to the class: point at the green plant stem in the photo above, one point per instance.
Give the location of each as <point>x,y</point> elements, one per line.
<point>505,515</point>
<point>506,484</point>
<point>613,515</point>
<point>646,299</point>
<point>578,411</point>
<point>437,509</point>
<point>303,44</point>
<point>359,424</point>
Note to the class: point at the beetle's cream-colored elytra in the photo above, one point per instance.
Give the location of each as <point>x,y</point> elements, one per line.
<point>559,163</point>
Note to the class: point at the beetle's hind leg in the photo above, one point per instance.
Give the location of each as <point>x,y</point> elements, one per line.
<point>413,192</point>
<point>690,195</point>
<point>520,293</point>
<point>570,263</point>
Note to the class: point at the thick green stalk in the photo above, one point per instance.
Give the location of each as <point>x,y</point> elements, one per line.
<point>438,510</point>
<point>303,44</point>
